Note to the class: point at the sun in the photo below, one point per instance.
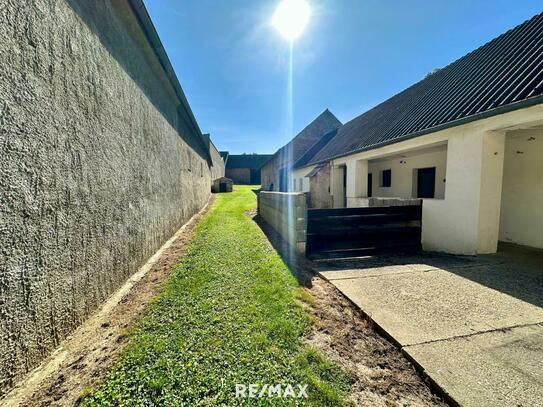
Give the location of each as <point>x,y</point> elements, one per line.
<point>291,17</point>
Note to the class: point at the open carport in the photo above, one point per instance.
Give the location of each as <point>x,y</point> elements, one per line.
<point>474,325</point>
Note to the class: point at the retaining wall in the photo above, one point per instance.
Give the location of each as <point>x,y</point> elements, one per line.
<point>286,212</point>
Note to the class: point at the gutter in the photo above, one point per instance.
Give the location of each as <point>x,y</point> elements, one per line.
<point>454,123</point>
<point>143,17</point>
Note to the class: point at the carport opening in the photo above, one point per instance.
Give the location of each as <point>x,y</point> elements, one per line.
<point>521,215</point>
<point>417,173</point>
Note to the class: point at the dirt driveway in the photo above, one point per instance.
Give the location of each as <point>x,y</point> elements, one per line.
<point>474,325</point>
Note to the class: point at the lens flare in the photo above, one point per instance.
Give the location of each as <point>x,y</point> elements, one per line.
<point>291,17</point>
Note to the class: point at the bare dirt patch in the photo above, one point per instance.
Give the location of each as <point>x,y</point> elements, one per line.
<point>85,357</point>
<point>382,375</point>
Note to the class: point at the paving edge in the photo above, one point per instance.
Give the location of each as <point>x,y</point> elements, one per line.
<point>434,386</point>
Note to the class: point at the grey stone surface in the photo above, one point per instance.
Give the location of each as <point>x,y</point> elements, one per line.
<point>319,185</point>
<point>473,324</point>
<point>217,167</point>
<point>98,167</point>
<point>333,274</point>
<point>426,260</point>
<point>418,307</point>
<point>502,368</point>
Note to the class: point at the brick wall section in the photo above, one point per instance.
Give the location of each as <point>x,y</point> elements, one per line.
<point>286,212</point>
<point>98,168</point>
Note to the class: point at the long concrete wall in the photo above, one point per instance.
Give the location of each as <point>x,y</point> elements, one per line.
<point>217,163</point>
<point>286,212</point>
<point>99,166</point>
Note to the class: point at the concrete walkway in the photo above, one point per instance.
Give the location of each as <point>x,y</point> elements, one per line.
<point>473,325</point>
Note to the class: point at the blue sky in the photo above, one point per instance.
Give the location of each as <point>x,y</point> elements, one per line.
<point>233,65</point>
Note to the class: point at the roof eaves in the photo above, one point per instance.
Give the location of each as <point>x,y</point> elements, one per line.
<point>458,122</point>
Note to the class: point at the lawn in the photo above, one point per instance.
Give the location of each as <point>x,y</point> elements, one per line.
<point>229,315</point>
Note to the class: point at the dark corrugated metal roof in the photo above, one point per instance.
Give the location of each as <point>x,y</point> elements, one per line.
<point>252,161</point>
<point>304,140</point>
<point>496,77</point>
<point>315,148</point>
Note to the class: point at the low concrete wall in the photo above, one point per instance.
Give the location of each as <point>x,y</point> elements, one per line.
<point>286,212</point>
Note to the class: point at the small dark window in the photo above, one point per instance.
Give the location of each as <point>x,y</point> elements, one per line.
<point>386,178</point>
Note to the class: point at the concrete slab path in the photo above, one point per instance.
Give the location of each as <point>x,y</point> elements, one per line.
<point>474,325</point>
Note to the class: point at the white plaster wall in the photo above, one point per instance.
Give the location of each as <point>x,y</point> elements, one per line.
<point>402,174</point>
<point>300,174</point>
<point>521,218</point>
<point>336,186</point>
<point>466,221</point>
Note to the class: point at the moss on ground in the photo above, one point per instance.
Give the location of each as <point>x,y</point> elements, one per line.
<point>229,314</point>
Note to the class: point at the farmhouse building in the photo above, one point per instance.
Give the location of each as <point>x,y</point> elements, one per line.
<point>275,174</point>
<point>466,141</point>
<point>245,168</point>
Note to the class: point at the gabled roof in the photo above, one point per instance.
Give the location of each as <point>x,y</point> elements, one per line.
<point>503,75</point>
<point>315,148</point>
<point>224,155</point>
<point>304,140</point>
<point>252,161</point>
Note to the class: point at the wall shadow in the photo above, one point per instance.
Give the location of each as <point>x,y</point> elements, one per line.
<point>518,274</point>
<point>514,271</point>
<point>299,266</point>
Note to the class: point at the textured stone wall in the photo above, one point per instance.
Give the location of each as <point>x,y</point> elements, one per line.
<point>319,187</point>
<point>217,168</point>
<point>98,167</point>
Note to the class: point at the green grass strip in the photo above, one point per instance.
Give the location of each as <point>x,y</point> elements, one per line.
<point>228,315</point>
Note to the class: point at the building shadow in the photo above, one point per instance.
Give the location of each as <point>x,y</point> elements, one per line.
<point>515,270</point>
<point>299,266</point>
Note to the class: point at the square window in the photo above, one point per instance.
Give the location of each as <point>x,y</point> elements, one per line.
<point>386,178</point>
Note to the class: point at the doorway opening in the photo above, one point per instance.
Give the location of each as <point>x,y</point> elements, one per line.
<point>426,182</point>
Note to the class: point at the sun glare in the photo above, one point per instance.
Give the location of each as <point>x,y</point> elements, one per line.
<point>291,18</point>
